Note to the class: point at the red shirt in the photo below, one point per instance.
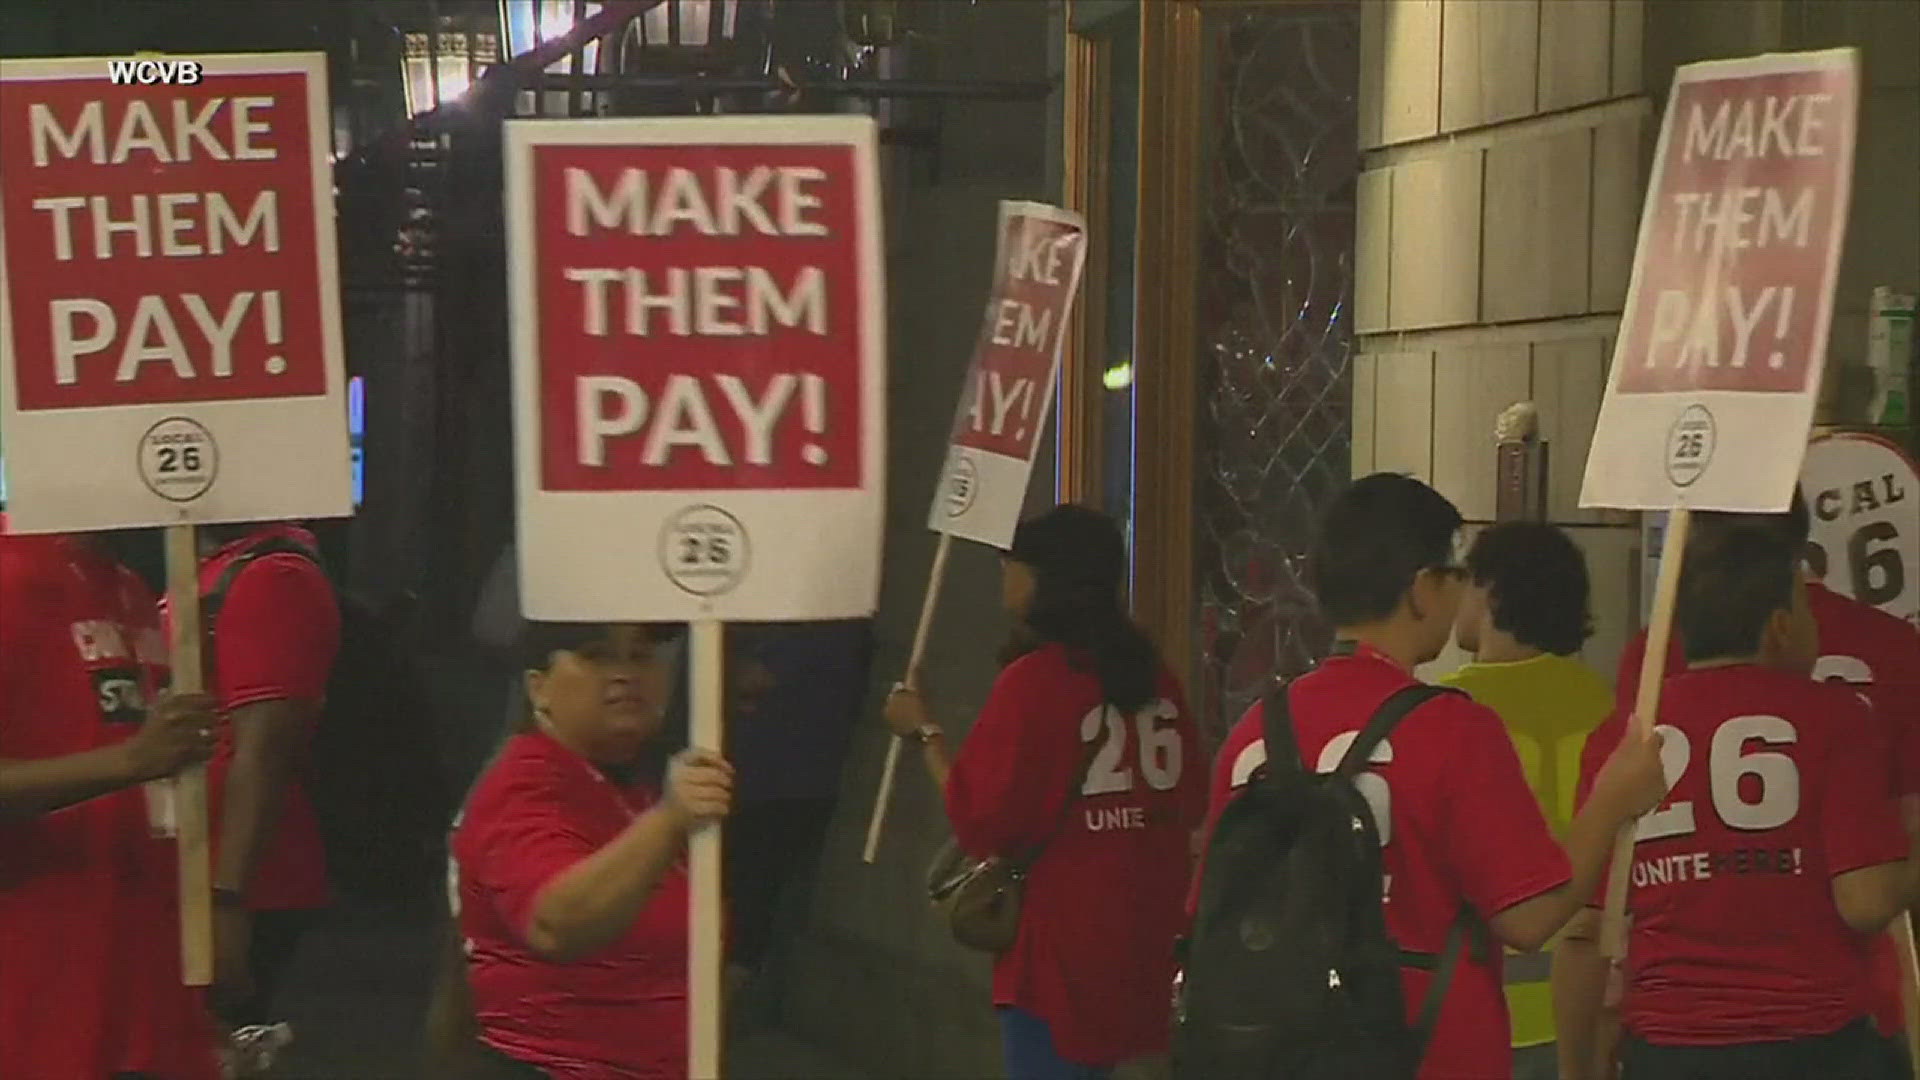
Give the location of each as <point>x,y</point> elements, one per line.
<point>1094,957</point>
<point>620,1014</point>
<point>1460,824</point>
<point>1782,785</point>
<point>89,908</point>
<point>276,640</point>
<point>1880,655</point>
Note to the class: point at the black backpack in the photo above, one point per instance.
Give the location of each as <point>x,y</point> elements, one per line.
<point>373,769</point>
<point>1289,971</point>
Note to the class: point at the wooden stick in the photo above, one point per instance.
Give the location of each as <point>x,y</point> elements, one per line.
<point>1902,932</point>
<point>190,784</point>
<point>706,912</point>
<point>1646,709</point>
<point>884,796</point>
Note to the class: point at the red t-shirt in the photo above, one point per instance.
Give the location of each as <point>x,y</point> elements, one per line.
<point>1879,654</point>
<point>89,908</point>
<point>620,1014</point>
<point>1781,786</point>
<point>1460,825</point>
<point>1094,957</point>
<point>276,640</point>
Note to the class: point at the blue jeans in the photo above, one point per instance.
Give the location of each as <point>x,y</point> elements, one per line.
<point>1027,1042</point>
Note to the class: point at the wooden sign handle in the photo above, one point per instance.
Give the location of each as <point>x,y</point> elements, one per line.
<point>190,784</point>
<point>706,912</point>
<point>928,606</point>
<point>1646,710</point>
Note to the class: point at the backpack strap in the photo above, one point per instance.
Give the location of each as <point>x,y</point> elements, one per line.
<point>1382,723</point>
<point>216,597</point>
<point>1283,746</point>
<point>1464,926</point>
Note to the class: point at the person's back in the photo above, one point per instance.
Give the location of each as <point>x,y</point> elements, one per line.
<point>1735,931</point>
<point>1526,615</point>
<point>1778,849</point>
<point>1102,902</point>
<point>1460,831</point>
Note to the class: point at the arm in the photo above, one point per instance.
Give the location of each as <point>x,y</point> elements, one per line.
<point>267,739</point>
<point>1875,859</point>
<point>1531,924</point>
<point>177,732</point>
<point>275,645</point>
<point>589,905</point>
<point>1579,994</point>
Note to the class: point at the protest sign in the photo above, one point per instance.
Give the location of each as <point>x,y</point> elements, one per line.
<point>1039,253</point>
<point>170,350</point>
<point>1864,494</point>
<point>170,341</point>
<point>1723,341</point>
<point>1009,388</point>
<point>699,371</point>
<point>699,367</point>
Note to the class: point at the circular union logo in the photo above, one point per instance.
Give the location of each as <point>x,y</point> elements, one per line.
<point>963,483</point>
<point>704,550</point>
<point>178,459</point>
<point>1690,444</point>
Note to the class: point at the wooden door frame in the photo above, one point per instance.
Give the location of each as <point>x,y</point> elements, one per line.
<point>1166,367</point>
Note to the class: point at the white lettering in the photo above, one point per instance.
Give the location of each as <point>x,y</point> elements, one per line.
<point>683,419</point>
<point>88,133</point>
<point>68,344</point>
<point>595,423</point>
<point>758,418</point>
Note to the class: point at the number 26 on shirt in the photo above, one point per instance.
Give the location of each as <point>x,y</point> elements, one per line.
<point>1157,748</point>
<point>1776,798</point>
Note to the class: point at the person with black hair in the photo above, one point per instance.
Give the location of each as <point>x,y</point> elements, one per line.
<point>1463,840</point>
<point>1525,615</point>
<point>1875,653</point>
<point>570,878</point>
<point>1084,765</point>
<point>1777,856</point>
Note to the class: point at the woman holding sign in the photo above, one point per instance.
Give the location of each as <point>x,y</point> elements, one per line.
<point>571,883</point>
<point>1085,771</point>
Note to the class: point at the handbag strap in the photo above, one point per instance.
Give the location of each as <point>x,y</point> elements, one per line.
<point>1022,865</point>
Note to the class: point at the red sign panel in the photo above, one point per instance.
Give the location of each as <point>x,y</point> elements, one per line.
<point>160,242</point>
<point>700,316</point>
<point>1003,407</point>
<point>1734,270</point>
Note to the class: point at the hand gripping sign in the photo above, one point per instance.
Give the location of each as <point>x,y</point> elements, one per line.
<point>170,348</point>
<point>1723,340</point>
<point>1038,257</point>
<point>699,372</point>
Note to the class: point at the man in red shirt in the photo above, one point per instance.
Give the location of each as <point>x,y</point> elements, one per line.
<point>90,982</point>
<point>1460,827</point>
<point>1876,653</point>
<point>273,630</point>
<point>1779,851</point>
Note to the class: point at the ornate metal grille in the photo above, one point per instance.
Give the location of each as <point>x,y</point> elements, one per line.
<point>1276,294</point>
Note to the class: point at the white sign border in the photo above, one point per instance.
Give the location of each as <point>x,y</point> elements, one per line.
<point>290,433</point>
<point>566,574</point>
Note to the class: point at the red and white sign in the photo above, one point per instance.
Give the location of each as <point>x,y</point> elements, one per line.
<point>171,348</point>
<point>1864,492</point>
<point>1009,390</point>
<point>1724,337</point>
<point>699,366</point>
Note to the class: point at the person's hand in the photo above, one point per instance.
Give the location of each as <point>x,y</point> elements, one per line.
<point>906,711</point>
<point>232,969</point>
<point>1632,782</point>
<point>179,731</point>
<point>699,787</point>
